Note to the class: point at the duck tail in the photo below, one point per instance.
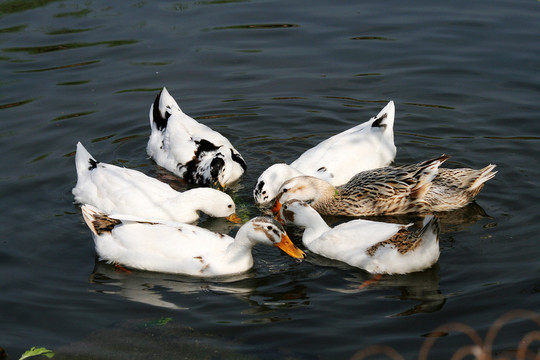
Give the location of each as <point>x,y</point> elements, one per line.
<point>97,221</point>
<point>431,225</point>
<point>162,108</point>
<point>486,174</point>
<point>427,171</point>
<point>429,233</point>
<point>83,160</point>
<point>385,118</point>
<point>90,213</point>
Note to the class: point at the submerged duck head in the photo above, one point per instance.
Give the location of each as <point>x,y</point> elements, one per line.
<point>269,182</point>
<point>227,168</point>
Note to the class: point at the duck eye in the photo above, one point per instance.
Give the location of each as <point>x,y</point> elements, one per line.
<point>285,190</point>
<point>269,227</point>
<point>264,192</point>
<point>229,206</point>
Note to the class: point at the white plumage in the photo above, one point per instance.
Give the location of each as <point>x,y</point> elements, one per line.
<point>366,146</point>
<point>189,149</point>
<point>377,247</point>
<point>114,189</point>
<point>172,247</point>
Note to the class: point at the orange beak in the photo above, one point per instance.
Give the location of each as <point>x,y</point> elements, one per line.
<point>279,218</point>
<point>276,207</point>
<point>289,248</point>
<point>234,218</point>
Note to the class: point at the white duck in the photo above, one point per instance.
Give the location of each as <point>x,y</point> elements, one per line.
<point>172,247</point>
<point>116,189</point>
<point>366,146</point>
<point>377,247</point>
<point>190,149</point>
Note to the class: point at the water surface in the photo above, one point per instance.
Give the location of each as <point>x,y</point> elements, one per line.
<point>276,78</point>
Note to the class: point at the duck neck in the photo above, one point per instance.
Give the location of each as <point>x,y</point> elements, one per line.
<point>290,172</point>
<point>326,198</point>
<point>240,248</point>
<point>314,225</point>
<point>190,212</point>
<point>201,199</point>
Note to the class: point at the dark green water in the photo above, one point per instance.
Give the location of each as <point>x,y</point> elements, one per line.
<point>275,77</point>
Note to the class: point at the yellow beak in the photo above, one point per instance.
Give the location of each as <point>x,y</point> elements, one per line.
<point>234,218</point>
<point>289,248</point>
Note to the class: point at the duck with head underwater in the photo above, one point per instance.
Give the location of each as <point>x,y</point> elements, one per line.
<point>189,149</point>
<point>368,145</point>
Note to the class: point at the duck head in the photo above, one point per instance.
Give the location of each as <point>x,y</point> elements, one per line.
<point>228,167</point>
<point>295,212</point>
<point>270,232</point>
<point>305,188</point>
<point>212,202</point>
<point>269,182</point>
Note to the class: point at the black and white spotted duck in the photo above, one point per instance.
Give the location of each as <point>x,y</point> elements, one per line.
<point>189,149</point>
<point>416,188</point>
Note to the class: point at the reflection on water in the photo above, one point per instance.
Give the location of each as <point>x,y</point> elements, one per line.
<point>151,288</point>
<point>421,287</point>
<point>260,294</point>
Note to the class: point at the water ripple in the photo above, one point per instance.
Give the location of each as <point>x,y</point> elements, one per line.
<point>253,26</point>
<point>58,47</point>
<point>86,63</point>
<point>13,29</point>
<point>18,103</point>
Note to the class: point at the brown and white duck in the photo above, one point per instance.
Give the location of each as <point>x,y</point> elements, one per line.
<point>377,247</point>
<point>416,188</point>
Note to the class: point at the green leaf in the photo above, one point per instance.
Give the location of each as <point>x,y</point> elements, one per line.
<point>35,351</point>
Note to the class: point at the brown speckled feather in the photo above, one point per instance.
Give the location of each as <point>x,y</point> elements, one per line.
<point>417,188</point>
<point>384,191</point>
<point>405,240</point>
<point>103,224</point>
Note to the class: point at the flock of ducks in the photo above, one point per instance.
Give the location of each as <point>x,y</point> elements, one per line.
<point>142,223</point>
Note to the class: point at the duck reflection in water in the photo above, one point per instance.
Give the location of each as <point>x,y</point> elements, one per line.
<point>167,290</point>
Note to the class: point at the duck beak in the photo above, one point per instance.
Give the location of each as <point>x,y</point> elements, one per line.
<point>219,185</point>
<point>234,218</point>
<point>276,207</point>
<point>279,218</point>
<point>289,248</point>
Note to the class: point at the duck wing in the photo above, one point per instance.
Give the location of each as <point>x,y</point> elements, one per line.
<point>350,242</point>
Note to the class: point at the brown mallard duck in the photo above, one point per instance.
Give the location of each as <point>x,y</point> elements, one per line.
<point>416,188</point>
